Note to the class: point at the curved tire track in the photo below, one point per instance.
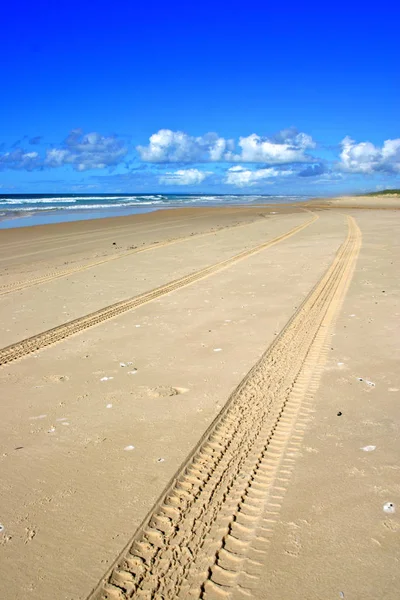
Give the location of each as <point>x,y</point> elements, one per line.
<point>56,334</point>
<point>195,543</point>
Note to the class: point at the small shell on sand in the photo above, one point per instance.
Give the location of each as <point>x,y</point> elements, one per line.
<point>369,383</point>
<point>128,448</point>
<point>389,507</point>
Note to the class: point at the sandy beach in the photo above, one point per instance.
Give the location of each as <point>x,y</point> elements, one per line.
<point>202,403</point>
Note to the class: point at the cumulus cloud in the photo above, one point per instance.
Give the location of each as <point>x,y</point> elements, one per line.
<point>89,151</point>
<point>286,146</point>
<point>241,177</point>
<point>184,177</point>
<point>367,158</point>
<point>82,152</point>
<point>176,146</point>
<point>18,159</point>
<point>57,158</point>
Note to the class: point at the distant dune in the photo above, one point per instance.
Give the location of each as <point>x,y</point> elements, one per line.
<point>373,200</point>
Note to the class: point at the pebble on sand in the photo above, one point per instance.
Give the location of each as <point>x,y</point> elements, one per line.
<point>128,448</point>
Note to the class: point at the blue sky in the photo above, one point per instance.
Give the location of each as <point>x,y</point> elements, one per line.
<point>214,97</point>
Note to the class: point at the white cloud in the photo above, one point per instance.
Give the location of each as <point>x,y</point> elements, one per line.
<point>19,159</point>
<point>57,157</point>
<point>241,177</point>
<point>287,146</point>
<point>184,177</point>
<point>84,152</point>
<point>367,158</point>
<point>176,146</point>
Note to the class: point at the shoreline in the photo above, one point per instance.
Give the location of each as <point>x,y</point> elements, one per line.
<point>56,216</point>
<point>53,216</point>
<point>14,218</point>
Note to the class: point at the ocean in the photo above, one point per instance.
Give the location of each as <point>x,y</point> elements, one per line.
<point>22,210</point>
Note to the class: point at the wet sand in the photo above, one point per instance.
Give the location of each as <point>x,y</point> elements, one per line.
<point>96,426</point>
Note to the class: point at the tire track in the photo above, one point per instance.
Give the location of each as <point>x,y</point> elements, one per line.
<point>202,538</point>
<point>56,334</point>
<point>104,236</point>
<point>17,286</point>
<point>287,440</point>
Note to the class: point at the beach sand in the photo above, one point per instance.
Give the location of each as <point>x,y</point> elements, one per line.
<point>202,403</point>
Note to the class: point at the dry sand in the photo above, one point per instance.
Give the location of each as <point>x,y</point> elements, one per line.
<point>280,500</point>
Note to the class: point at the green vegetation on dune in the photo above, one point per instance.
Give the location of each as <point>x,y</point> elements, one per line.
<point>383,193</point>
